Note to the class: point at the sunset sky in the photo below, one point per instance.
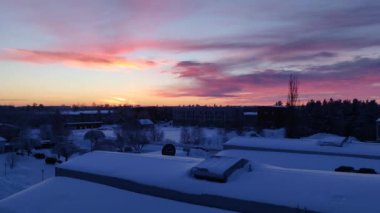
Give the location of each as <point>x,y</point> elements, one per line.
<point>165,52</point>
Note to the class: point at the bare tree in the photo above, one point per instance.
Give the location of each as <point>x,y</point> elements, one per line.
<point>11,159</point>
<point>65,149</point>
<point>185,140</point>
<point>293,91</point>
<point>24,141</point>
<point>46,132</point>
<point>133,137</point>
<point>156,134</point>
<point>185,136</point>
<point>292,117</point>
<point>197,136</point>
<point>94,136</point>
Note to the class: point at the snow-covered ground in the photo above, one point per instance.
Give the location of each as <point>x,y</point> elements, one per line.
<point>314,190</point>
<point>282,178</point>
<point>28,171</point>
<point>63,195</point>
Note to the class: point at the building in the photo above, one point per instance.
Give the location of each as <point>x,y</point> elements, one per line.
<point>230,116</point>
<point>2,144</point>
<point>83,125</point>
<point>378,129</point>
<point>145,123</point>
<point>250,119</point>
<point>86,115</point>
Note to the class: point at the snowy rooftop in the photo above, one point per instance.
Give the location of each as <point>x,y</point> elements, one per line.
<point>314,190</point>
<point>2,140</point>
<point>378,120</point>
<point>87,112</point>
<point>305,145</point>
<point>250,113</point>
<point>64,195</point>
<point>218,167</point>
<point>145,122</point>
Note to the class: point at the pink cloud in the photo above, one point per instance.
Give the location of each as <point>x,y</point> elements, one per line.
<point>76,59</point>
<point>348,79</point>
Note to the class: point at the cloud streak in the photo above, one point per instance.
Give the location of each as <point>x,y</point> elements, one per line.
<point>76,59</point>
<point>209,80</point>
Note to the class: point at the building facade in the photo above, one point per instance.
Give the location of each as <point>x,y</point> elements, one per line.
<point>378,129</point>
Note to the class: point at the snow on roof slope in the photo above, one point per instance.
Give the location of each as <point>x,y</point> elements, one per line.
<point>302,161</point>
<point>355,148</point>
<point>251,113</point>
<point>218,164</point>
<point>3,140</point>
<point>145,122</point>
<point>315,190</point>
<point>67,195</point>
<point>378,120</point>
<point>87,112</point>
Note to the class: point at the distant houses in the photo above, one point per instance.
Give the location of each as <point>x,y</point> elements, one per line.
<point>2,144</point>
<point>230,116</point>
<point>85,119</point>
<point>378,129</point>
<point>145,123</point>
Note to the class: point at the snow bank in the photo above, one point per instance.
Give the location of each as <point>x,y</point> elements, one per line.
<point>28,171</point>
<point>314,190</point>
<point>63,195</point>
<point>274,133</point>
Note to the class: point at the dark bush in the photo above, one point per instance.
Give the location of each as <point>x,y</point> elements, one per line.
<point>366,171</point>
<point>50,160</point>
<point>345,169</point>
<point>39,155</point>
<point>168,149</point>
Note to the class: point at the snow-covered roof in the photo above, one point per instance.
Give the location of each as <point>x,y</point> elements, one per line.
<point>378,120</point>
<point>218,167</point>
<point>85,112</point>
<point>266,184</point>
<point>251,113</point>
<point>64,195</point>
<point>305,145</point>
<point>2,140</point>
<point>145,122</point>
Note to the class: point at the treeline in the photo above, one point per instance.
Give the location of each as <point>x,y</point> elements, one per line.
<point>342,117</point>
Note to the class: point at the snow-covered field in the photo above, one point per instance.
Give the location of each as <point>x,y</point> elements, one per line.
<point>28,171</point>
<point>64,195</point>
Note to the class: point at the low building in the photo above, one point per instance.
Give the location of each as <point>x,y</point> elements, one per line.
<point>2,144</point>
<point>378,129</point>
<point>250,119</point>
<point>230,116</point>
<point>86,115</point>
<point>145,123</point>
<point>83,125</point>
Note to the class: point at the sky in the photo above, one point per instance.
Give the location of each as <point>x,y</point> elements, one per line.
<point>180,52</point>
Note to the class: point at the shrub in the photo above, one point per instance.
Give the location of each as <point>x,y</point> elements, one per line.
<point>345,169</point>
<point>39,155</point>
<point>366,171</point>
<point>50,160</point>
